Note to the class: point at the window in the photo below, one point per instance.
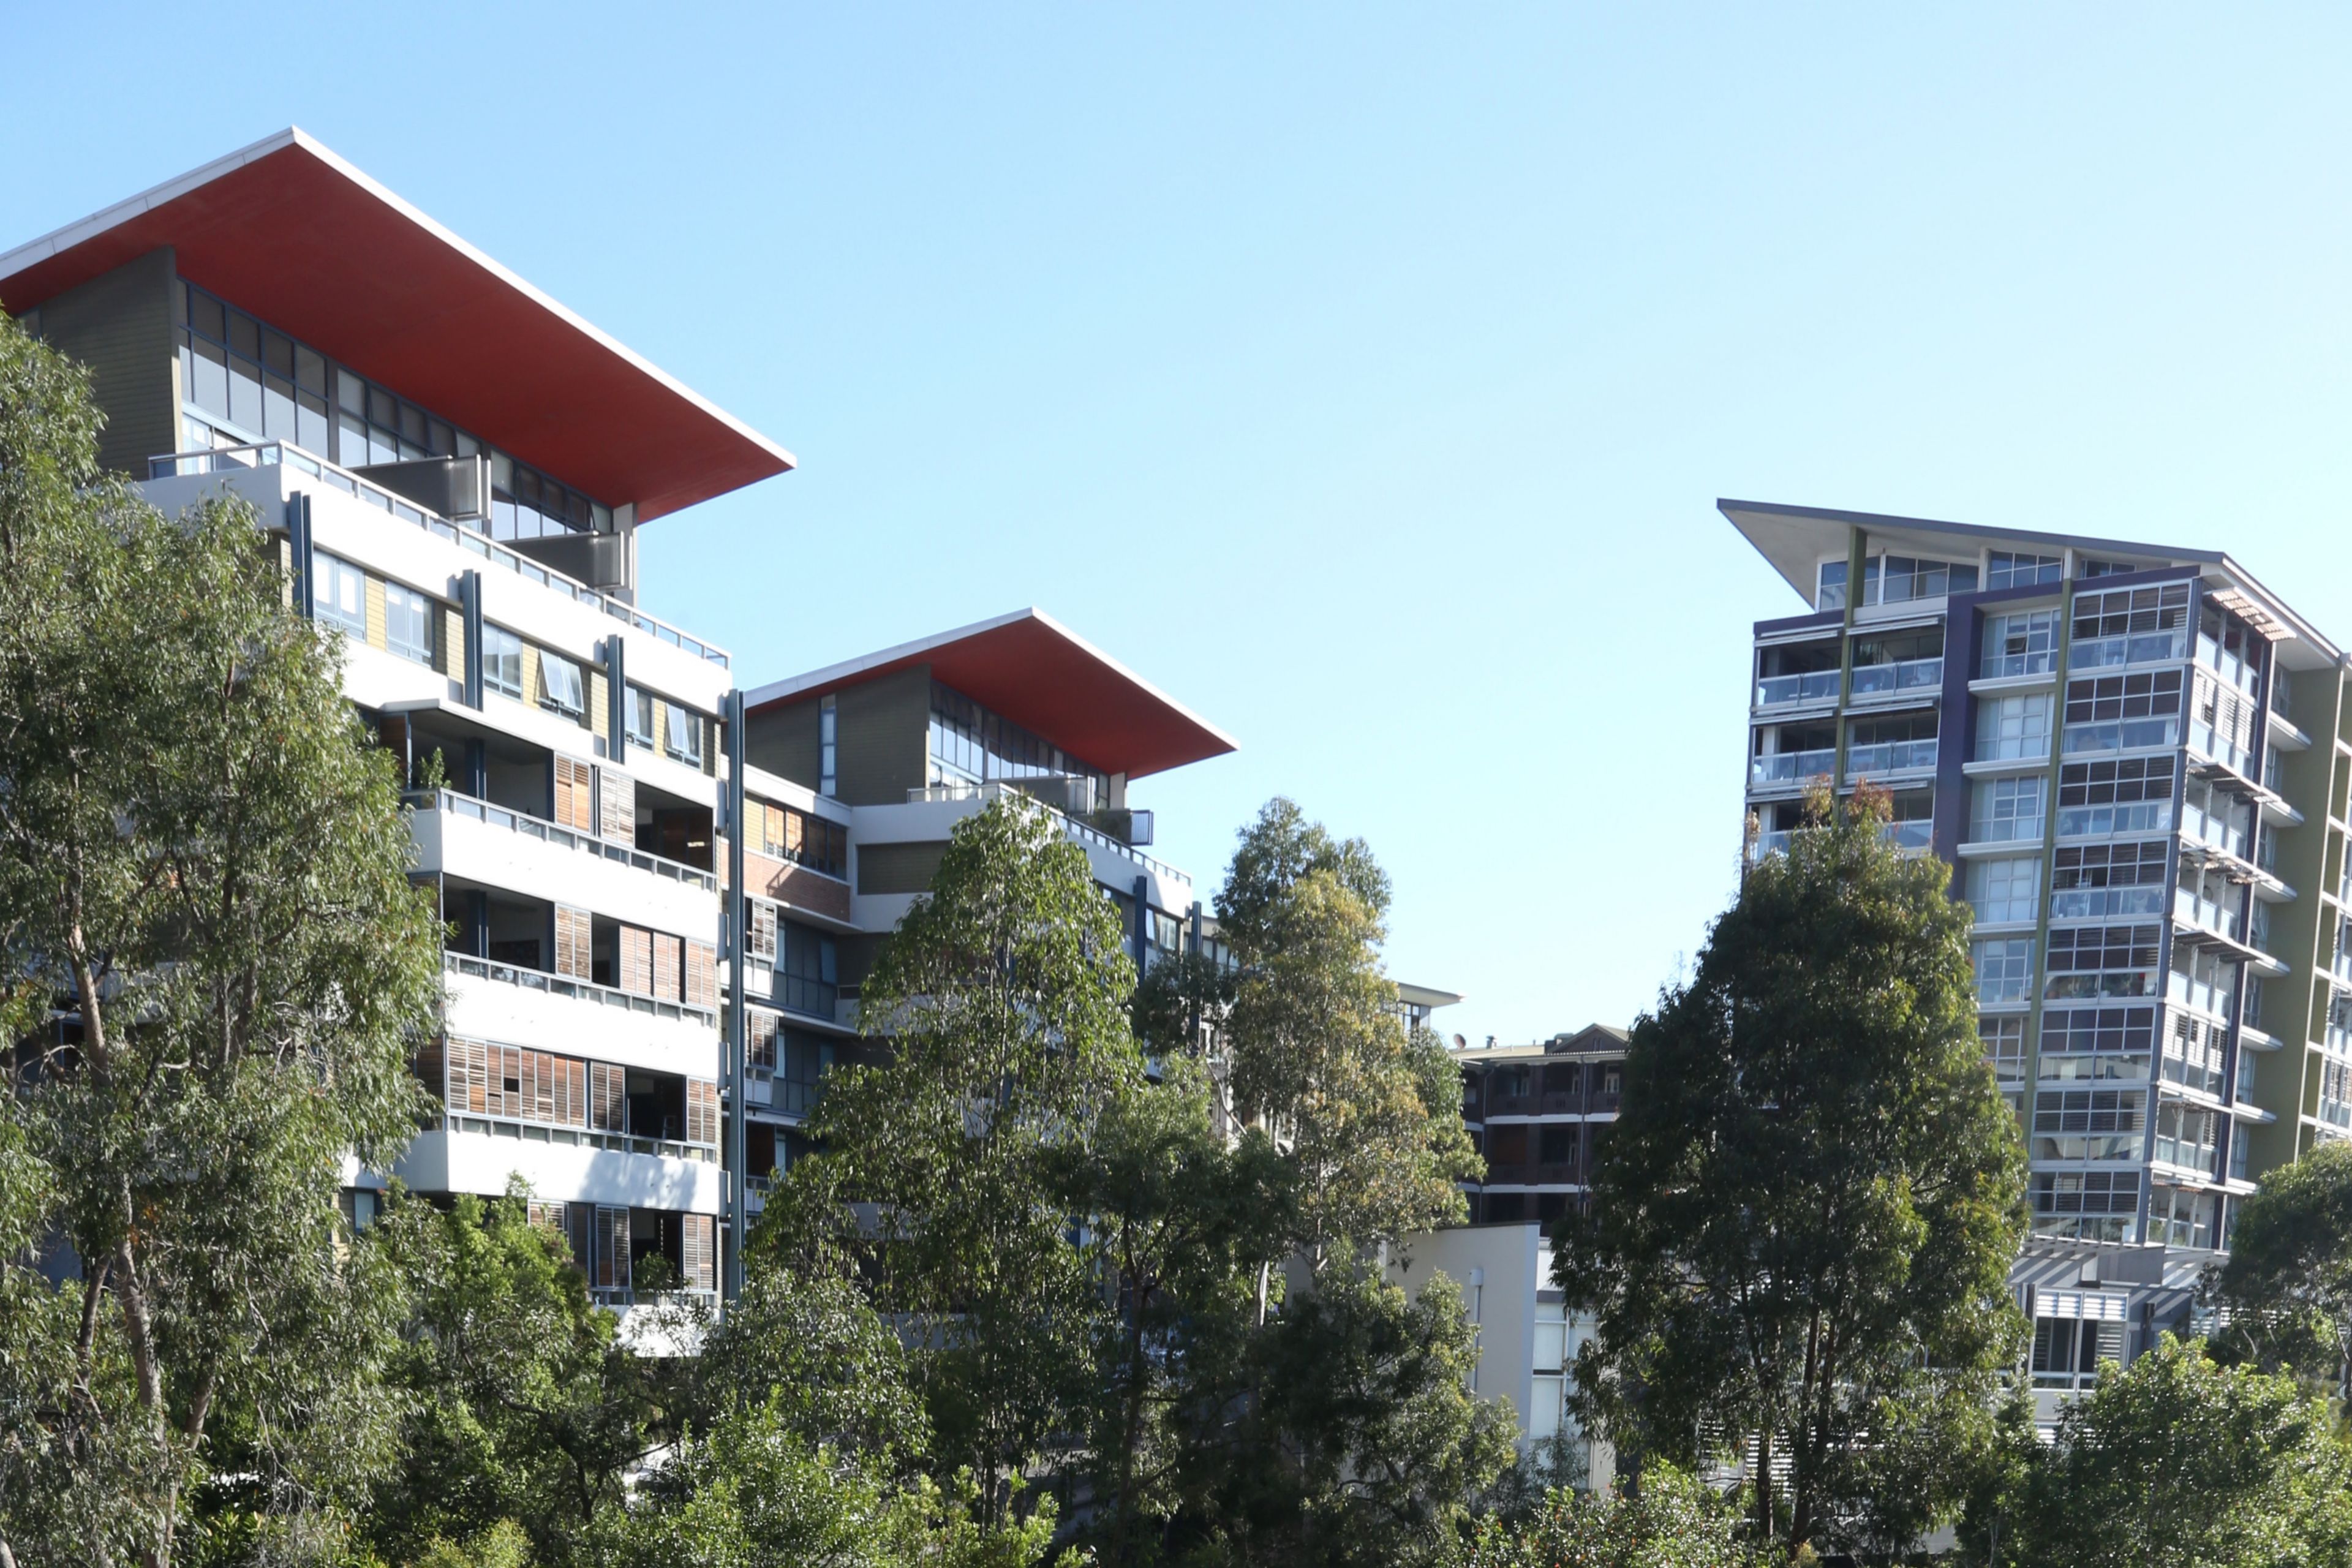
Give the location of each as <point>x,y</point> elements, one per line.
<point>2025,643</point>
<point>2004,1047</point>
<point>2111,712</point>
<point>408,622</point>
<point>970,743</point>
<point>2133,794</point>
<point>682,734</point>
<point>640,711</point>
<point>2111,568</point>
<point>828,736</point>
<point>2103,961</point>
<point>2094,880</point>
<point>2001,810</point>
<point>1831,595</point>
<point>2231,648</point>
<point>2011,728</point>
<point>2202,980</point>
<point>2182,1218</point>
<point>2067,1351</point>
<point>2004,969</point>
<point>2080,1124</point>
<point>501,662</point>
<point>340,590</point>
<point>2097,1043</point>
<point>2192,1054</point>
<point>787,833</point>
<point>2186,1136</point>
<point>2009,569</point>
<point>2004,891</point>
<point>2130,626</point>
<point>1898,579</point>
<point>808,970</point>
<point>2097,1206</point>
<point>560,686</point>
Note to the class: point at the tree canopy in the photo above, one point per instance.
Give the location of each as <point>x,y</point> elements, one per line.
<point>1802,1221</point>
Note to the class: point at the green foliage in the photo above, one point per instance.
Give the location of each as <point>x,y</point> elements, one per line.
<point>2176,1460</point>
<point>1802,1225</point>
<point>1005,994</point>
<point>520,1406</point>
<point>1670,1521</point>
<point>2287,1279</point>
<point>503,1545</point>
<point>203,862</point>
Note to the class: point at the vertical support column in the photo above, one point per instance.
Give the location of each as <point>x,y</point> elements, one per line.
<point>297,534</point>
<point>1857,555</point>
<point>731,1076</point>
<point>478,922</point>
<point>616,702</point>
<point>2037,974</point>
<point>1140,938</point>
<point>470,608</point>
<point>476,779</point>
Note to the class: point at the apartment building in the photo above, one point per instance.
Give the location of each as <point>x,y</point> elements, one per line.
<point>1535,1112</point>
<point>454,470</point>
<point>2135,759</point>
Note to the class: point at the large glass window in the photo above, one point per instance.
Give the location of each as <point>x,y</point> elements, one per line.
<point>2132,794</point>
<point>2097,1042</point>
<point>2182,1218</point>
<point>2130,626</point>
<point>2096,1205</point>
<point>2015,569</point>
<point>2004,969</point>
<point>2103,961</point>
<point>2115,712</point>
<point>1899,579</point>
<point>2083,1124</point>
<point>340,591</point>
<point>2004,891</point>
<point>807,970</point>
<point>2090,882</point>
<point>502,662</point>
<point>2186,1136</point>
<point>2011,728</point>
<point>788,833</point>
<point>408,622</point>
<point>2024,643</point>
<point>2004,1045</point>
<point>2004,810</point>
<point>239,372</point>
<point>972,744</point>
<point>828,745</point>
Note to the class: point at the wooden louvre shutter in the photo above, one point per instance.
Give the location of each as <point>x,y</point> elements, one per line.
<point>760,1049</point>
<point>700,1271</point>
<point>701,1110</point>
<point>573,943</point>
<point>638,960</point>
<point>618,807</point>
<point>433,1066</point>
<point>701,975</point>
<point>607,1097</point>
<point>763,933</point>
<point>506,1085</point>
<point>575,795</point>
<point>571,1091</point>
<point>669,963</point>
<point>549,1215</point>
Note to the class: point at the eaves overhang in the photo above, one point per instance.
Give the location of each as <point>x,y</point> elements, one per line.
<point>291,233</point>
<point>1030,669</point>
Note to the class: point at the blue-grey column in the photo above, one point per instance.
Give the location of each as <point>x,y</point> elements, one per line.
<point>469,606</point>
<point>738,908</point>
<point>616,701</point>
<point>1142,918</point>
<point>297,534</point>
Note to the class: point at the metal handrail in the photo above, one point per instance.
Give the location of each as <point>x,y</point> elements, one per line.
<point>586,1137</point>
<point>584,990</point>
<point>997,789</point>
<point>271,453</point>
<point>533,826</point>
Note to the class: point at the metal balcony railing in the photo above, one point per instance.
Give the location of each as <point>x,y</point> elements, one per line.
<point>532,826</point>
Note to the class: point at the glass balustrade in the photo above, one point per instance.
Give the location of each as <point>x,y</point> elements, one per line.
<point>1888,757</point>
<point>1790,767</point>
<point>1779,690</point>
<point>1910,675</point>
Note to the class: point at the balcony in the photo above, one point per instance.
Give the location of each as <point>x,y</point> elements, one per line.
<point>1084,832</point>
<point>272,454</point>
<point>1784,690</point>
<point>529,827</point>
<point>588,991</point>
<point>1889,757</point>
<point>1790,767</point>
<point>1918,677</point>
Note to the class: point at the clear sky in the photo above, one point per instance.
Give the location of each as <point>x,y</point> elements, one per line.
<point>1364,377</point>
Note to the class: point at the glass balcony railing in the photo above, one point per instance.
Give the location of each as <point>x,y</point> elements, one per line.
<point>2149,647</point>
<point>269,454</point>
<point>1889,757</point>
<point>1910,675</point>
<point>1779,690</point>
<point>1775,842</point>
<point>1790,767</point>
<point>1914,835</point>
<point>2205,913</point>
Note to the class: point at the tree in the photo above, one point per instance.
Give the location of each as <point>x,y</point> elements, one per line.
<point>1671,1521</point>
<point>1800,1235</point>
<point>940,1176</point>
<point>521,1404</point>
<point>2176,1460</point>
<point>2287,1279</point>
<point>206,918</point>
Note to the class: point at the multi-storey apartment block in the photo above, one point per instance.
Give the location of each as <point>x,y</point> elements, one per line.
<point>1535,1112</point>
<point>453,470</point>
<point>2135,759</point>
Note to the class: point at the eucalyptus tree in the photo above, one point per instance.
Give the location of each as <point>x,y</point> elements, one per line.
<point>1802,1221</point>
<point>218,968</point>
<point>2287,1278</point>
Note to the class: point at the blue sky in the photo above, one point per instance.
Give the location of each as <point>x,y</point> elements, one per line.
<point>1364,376</point>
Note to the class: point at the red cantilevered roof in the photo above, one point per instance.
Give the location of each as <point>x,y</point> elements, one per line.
<point>289,231</point>
<point>1028,668</point>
